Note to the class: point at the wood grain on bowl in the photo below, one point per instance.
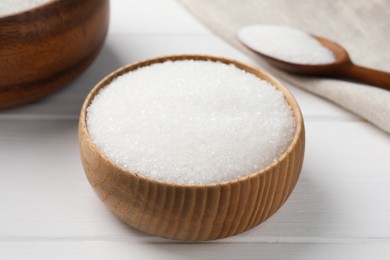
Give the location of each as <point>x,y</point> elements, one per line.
<point>42,49</point>
<point>192,212</point>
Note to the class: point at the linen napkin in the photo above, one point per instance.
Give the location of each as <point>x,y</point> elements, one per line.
<point>361,26</point>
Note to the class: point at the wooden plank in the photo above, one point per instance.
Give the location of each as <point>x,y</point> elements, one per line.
<point>152,16</point>
<point>342,193</point>
<point>124,249</point>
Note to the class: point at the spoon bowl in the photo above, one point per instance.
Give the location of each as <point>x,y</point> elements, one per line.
<point>327,69</point>
<point>342,67</point>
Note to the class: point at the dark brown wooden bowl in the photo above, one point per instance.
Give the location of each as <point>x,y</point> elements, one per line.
<point>44,48</point>
<point>192,212</point>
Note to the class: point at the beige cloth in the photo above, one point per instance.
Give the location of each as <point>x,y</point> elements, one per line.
<point>361,26</point>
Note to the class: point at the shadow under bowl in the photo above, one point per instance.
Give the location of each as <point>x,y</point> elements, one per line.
<point>192,212</point>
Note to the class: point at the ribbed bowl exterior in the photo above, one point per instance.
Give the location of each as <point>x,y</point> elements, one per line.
<point>44,48</point>
<point>192,212</point>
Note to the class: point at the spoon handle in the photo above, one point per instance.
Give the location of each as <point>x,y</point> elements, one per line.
<point>377,78</point>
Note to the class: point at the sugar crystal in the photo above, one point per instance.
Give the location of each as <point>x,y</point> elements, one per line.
<point>191,122</point>
<point>285,43</point>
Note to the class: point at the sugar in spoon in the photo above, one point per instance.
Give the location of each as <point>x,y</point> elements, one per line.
<point>342,67</point>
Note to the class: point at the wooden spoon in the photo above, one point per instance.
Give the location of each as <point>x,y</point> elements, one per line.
<point>342,67</point>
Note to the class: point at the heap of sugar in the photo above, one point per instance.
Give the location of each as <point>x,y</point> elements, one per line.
<point>191,122</point>
<point>15,6</point>
<point>285,43</point>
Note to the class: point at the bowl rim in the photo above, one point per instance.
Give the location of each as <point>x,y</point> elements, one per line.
<point>299,128</point>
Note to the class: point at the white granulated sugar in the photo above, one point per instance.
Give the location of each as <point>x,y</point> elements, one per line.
<point>285,43</point>
<point>14,6</point>
<point>191,122</point>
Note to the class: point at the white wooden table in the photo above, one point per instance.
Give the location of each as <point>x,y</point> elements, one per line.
<point>340,208</point>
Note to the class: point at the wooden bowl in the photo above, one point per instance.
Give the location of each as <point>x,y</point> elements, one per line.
<point>43,48</point>
<point>192,212</point>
